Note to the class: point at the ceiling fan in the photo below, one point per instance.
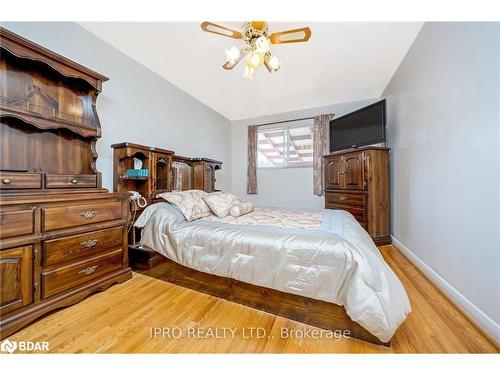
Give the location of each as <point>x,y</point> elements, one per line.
<point>258,41</point>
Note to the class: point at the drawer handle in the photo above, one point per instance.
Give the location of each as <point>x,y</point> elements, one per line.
<point>88,214</point>
<point>6,181</point>
<point>342,197</point>
<point>74,181</point>
<point>89,243</point>
<point>88,270</point>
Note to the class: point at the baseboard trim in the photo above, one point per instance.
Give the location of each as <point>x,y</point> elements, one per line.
<point>478,317</point>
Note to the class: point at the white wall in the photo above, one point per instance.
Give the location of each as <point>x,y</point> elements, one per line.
<point>444,131</point>
<point>136,104</point>
<point>292,187</point>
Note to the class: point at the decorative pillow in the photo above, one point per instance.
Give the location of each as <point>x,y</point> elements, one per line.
<point>241,208</point>
<point>221,202</point>
<point>189,202</point>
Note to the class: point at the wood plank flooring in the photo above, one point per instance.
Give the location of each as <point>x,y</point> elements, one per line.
<point>120,319</point>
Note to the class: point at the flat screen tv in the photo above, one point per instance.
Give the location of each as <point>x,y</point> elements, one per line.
<point>366,126</point>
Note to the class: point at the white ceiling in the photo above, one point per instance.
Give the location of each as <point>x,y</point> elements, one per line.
<point>342,61</point>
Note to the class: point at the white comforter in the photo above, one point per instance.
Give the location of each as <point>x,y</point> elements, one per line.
<point>336,262</point>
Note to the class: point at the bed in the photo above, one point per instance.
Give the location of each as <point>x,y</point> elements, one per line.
<point>317,267</point>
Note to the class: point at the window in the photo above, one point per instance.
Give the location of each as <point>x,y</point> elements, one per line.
<point>285,146</point>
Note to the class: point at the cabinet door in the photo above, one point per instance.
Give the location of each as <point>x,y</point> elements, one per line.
<point>333,170</point>
<point>16,281</point>
<point>161,173</point>
<point>209,178</point>
<point>353,172</point>
<point>199,176</point>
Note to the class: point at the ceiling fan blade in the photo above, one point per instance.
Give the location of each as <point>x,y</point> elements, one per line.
<point>221,30</point>
<point>291,36</point>
<point>228,65</point>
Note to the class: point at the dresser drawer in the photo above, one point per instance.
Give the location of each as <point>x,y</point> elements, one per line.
<point>20,181</point>
<point>61,181</point>
<point>357,212</point>
<point>79,273</point>
<point>81,245</point>
<point>345,199</point>
<point>73,215</point>
<point>16,223</point>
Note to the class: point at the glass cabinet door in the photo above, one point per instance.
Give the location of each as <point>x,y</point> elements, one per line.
<point>209,178</point>
<point>161,175</point>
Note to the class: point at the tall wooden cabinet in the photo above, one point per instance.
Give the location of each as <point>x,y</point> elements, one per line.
<point>62,236</point>
<point>358,181</point>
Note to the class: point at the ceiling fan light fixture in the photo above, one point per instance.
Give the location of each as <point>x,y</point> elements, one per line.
<point>257,47</point>
<point>274,63</point>
<point>232,54</point>
<point>255,59</point>
<point>248,73</point>
<point>262,44</point>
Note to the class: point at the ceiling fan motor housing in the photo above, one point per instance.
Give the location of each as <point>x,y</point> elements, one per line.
<point>253,30</point>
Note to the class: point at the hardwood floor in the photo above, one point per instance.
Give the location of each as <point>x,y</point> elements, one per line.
<point>120,319</point>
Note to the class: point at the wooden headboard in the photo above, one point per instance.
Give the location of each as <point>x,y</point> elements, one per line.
<point>165,171</point>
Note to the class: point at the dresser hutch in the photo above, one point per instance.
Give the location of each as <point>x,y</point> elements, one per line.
<point>62,236</point>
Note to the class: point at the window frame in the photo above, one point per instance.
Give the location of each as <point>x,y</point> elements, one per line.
<point>286,127</point>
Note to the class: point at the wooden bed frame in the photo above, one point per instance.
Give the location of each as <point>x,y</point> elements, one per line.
<point>302,309</point>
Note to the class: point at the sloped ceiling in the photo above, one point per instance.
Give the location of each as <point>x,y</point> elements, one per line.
<point>342,61</point>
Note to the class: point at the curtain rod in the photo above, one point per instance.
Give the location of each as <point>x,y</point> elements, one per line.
<point>281,122</point>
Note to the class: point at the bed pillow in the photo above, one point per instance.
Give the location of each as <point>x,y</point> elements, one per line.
<point>221,202</point>
<point>241,208</point>
<point>189,202</point>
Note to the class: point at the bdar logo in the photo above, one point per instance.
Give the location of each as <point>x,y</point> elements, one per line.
<point>24,346</point>
<point>8,346</point>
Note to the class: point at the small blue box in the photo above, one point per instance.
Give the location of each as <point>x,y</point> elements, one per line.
<point>137,172</point>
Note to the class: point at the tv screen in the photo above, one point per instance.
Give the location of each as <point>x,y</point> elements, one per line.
<point>363,127</point>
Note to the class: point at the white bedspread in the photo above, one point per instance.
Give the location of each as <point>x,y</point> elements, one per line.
<point>338,262</point>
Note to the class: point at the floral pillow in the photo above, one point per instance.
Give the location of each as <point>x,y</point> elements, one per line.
<point>189,202</point>
<point>221,202</point>
<point>241,208</point>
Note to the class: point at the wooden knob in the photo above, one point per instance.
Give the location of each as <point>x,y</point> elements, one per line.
<point>6,181</point>
<point>74,181</point>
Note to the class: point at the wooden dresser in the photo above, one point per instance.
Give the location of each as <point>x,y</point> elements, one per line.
<point>358,181</point>
<point>62,236</point>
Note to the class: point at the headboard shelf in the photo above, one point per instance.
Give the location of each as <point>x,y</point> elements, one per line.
<point>143,178</point>
<point>167,171</point>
